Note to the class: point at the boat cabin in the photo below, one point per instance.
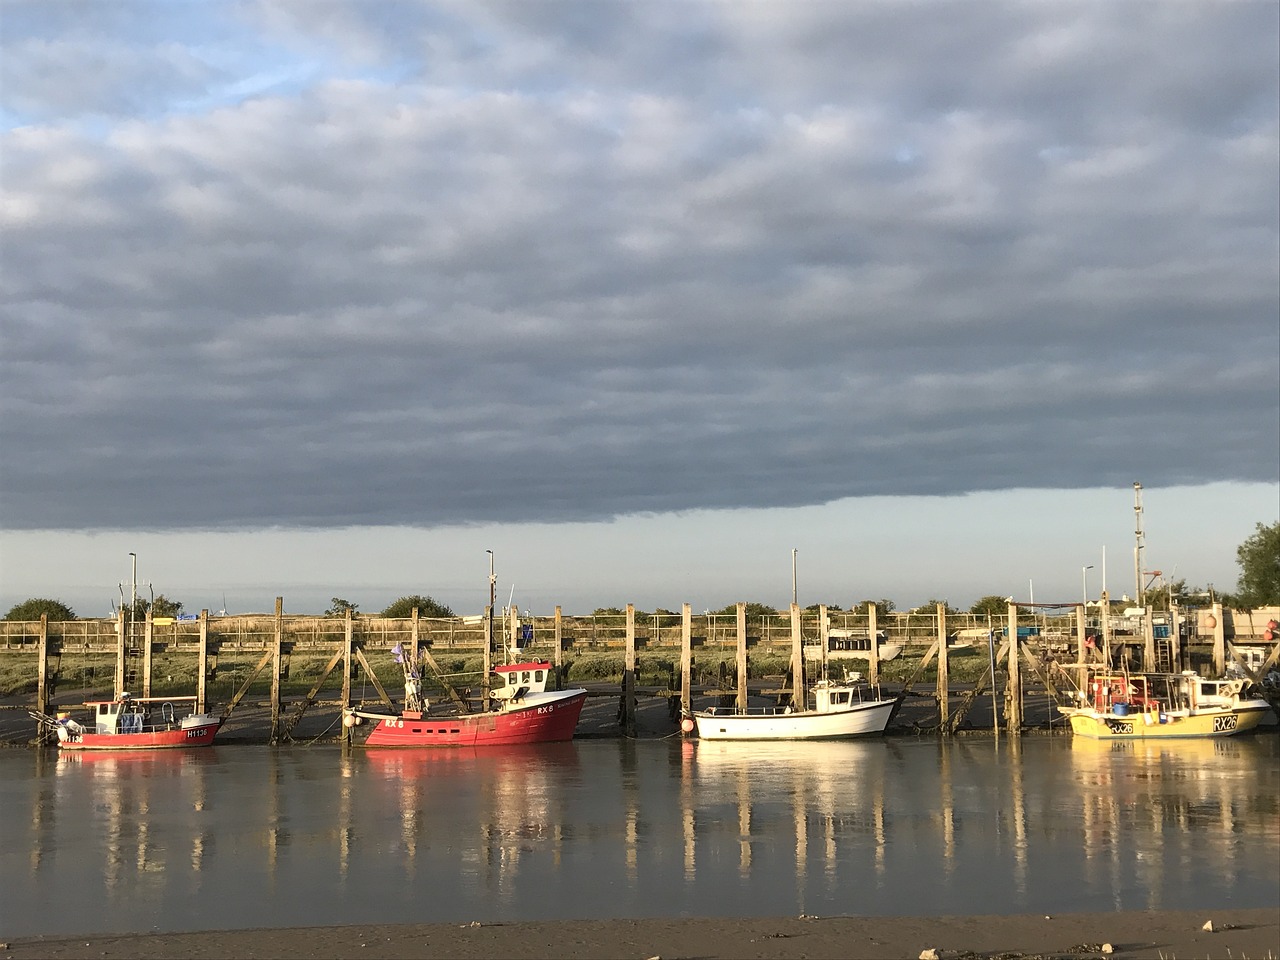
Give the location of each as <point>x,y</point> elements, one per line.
<point>518,679</point>
<point>1160,692</point>
<point>132,714</point>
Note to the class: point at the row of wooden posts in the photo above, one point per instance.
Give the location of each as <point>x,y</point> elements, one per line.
<point>1011,652</point>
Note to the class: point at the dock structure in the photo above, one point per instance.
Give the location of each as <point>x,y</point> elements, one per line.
<point>734,656</point>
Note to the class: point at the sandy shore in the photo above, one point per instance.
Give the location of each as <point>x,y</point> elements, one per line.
<point>1164,935</point>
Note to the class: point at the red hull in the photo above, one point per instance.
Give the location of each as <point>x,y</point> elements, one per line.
<point>548,723</point>
<point>201,736</point>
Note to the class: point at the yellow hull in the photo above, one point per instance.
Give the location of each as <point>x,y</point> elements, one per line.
<point>1146,726</point>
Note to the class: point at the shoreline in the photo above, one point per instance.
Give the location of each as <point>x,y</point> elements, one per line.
<point>1241,934</point>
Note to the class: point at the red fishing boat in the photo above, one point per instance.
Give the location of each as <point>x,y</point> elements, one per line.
<point>135,723</point>
<point>520,710</point>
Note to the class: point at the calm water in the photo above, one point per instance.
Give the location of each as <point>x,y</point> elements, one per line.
<point>240,836</point>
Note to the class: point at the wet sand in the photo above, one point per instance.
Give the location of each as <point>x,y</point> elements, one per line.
<point>1238,935</point>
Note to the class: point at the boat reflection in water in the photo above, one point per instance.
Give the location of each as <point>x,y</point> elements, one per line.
<point>248,836</point>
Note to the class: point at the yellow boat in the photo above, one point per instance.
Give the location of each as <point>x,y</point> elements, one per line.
<point>1116,705</point>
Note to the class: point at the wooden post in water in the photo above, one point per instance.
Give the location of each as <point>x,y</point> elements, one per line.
<point>148,639</point>
<point>1219,641</point>
<point>488,658</point>
<point>824,638</point>
<point>1105,612</point>
<point>202,669</point>
<point>944,674</point>
<point>1080,635</point>
<point>686,660</point>
<point>1148,642</point>
<point>415,639</point>
<point>277,643</point>
<point>742,656</point>
<point>348,642</point>
<point>797,660</point>
<point>559,631</point>
<point>1175,636</point>
<point>42,679</point>
<point>873,654</point>
<point>629,676</point>
<point>122,647</point>
<point>1013,695</point>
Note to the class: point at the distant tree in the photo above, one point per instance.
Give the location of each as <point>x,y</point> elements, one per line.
<point>815,607</point>
<point>162,606</point>
<point>883,607</point>
<point>929,606</point>
<point>608,612</point>
<point>427,607</point>
<point>991,606</point>
<point>339,608</point>
<point>33,608</point>
<point>754,610</point>
<point>1259,561</point>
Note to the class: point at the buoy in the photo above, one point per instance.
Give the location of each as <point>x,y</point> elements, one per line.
<point>349,720</point>
<point>687,725</point>
<point>1211,621</point>
<point>1267,636</point>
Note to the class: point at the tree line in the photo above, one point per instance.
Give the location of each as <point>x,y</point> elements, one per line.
<point>1258,558</point>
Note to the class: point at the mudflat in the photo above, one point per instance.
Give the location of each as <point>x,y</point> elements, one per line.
<point>1252,934</point>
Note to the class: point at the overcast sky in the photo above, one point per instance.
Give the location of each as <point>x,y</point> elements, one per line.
<point>328,298</point>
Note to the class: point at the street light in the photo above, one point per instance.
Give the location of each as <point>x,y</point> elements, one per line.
<point>1084,583</point>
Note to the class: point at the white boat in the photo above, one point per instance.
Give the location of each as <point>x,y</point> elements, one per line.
<point>843,644</point>
<point>840,709</point>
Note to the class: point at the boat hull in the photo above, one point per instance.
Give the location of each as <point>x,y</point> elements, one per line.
<point>195,735</point>
<point>1145,726</point>
<point>549,719</point>
<point>863,719</point>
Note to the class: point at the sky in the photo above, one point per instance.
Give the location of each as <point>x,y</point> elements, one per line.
<point>330,298</point>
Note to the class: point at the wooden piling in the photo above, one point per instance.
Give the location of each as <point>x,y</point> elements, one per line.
<point>629,676</point>
<point>1013,696</point>
<point>1080,635</point>
<point>202,670</point>
<point>415,639</point>
<point>42,679</point>
<point>742,656</point>
<point>797,660</point>
<point>944,673</point>
<point>277,643</point>
<point>559,631</point>
<point>1149,661</point>
<point>148,641</point>
<point>348,640</point>
<point>488,658</point>
<point>1175,636</point>
<point>873,653</point>
<point>686,660</point>
<point>122,648</point>
<point>1219,641</point>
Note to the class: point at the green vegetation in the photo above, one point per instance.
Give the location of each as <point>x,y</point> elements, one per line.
<point>33,609</point>
<point>340,608</point>
<point>997,608</point>
<point>1259,561</point>
<point>427,607</point>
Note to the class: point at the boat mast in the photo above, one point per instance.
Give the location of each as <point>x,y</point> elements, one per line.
<point>1139,592</point>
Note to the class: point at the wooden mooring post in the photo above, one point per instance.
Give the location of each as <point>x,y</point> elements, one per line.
<point>944,674</point>
<point>629,676</point>
<point>148,648</point>
<point>798,693</point>
<point>1013,694</point>
<point>277,645</point>
<point>742,656</point>
<point>42,679</point>
<point>202,669</point>
<point>873,653</point>
<point>559,634</point>
<point>348,642</point>
<point>1219,640</point>
<point>686,660</point>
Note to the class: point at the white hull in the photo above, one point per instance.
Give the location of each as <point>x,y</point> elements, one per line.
<point>862,719</point>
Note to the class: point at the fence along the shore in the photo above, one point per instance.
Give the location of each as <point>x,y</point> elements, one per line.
<point>1055,628</point>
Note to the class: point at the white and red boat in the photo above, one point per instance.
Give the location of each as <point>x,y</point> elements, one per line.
<point>520,710</point>
<point>135,723</point>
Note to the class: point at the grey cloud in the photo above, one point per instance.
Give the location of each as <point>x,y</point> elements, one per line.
<point>864,250</point>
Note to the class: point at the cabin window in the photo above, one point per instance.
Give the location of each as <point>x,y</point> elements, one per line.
<point>102,709</point>
<point>537,676</point>
<point>524,677</point>
<point>840,698</point>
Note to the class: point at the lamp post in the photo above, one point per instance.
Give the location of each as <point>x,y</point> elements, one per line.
<point>493,586</point>
<point>1084,583</point>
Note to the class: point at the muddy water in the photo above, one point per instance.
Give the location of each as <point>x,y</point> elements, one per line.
<point>246,836</point>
